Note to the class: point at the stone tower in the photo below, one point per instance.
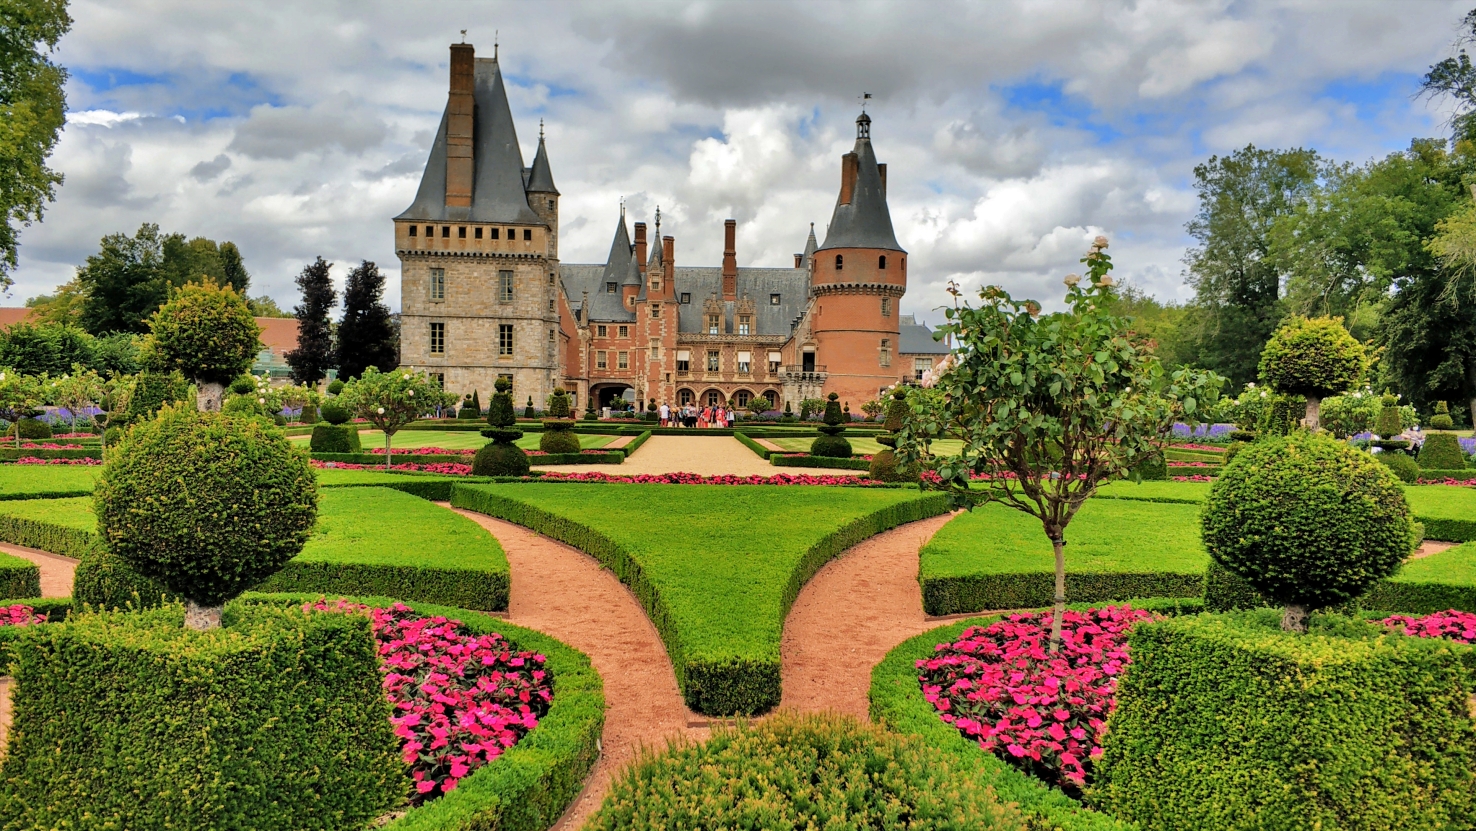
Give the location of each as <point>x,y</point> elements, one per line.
<point>857,278</point>
<point>478,248</point>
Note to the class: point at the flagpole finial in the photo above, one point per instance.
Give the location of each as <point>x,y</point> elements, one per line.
<point>540,129</point>
<point>463,36</point>
<point>496,35</point>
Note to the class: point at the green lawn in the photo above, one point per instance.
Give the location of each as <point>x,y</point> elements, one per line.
<point>998,558</point>
<point>716,567</point>
<point>32,481</point>
<point>863,445</point>
<point>451,440</point>
<point>1430,584</point>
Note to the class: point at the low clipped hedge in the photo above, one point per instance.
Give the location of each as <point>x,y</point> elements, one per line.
<point>976,593</point>
<point>635,443</point>
<point>18,578</point>
<point>1441,451</point>
<point>335,439</point>
<point>56,609</point>
<point>287,726</point>
<point>46,536</point>
<point>737,685</point>
<point>377,459</point>
<point>780,460</point>
<point>763,452</point>
<point>1193,470</point>
<point>614,457</point>
<point>1459,474</point>
<point>432,488</point>
<point>1226,722</point>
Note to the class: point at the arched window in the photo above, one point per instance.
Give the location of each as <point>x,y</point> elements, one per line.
<point>684,397</point>
<point>881,262</point>
<point>838,262</point>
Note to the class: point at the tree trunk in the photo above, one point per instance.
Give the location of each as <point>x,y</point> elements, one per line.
<point>1059,610</point>
<point>1313,421</point>
<point>202,618</point>
<point>208,395</point>
<point>1294,619</point>
<point>386,450</point>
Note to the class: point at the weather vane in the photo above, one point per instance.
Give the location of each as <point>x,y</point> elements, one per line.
<point>865,96</point>
<point>463,36</point>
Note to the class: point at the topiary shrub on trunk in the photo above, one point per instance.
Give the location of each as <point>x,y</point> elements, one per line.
<point>1442,451</point>
<point>31,428</point>
<point>500,456</point>
<point>557,437</point>
<point>884,464</point>
<point>830,442</point>
<point>1309,522</point>
<point>1312,359</point>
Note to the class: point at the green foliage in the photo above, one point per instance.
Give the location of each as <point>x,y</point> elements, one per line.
<point>1388,425</point>
<point>119,288</point>
<point>1441,581</point>
<point>833,411</point>
<point>20,396</point>
<point>288,727</point>
<point>152,391</point>
<point>359,547</point>
<point>1281,416</point>
<point>205,504</point>
<point>1441,420</point>
<point>103,580</point>
<point>77,390</point>
<point>335,413</point>
<point>528,410</point>
<point>810,407</point>
<point>46,349</point>
<point>500,413</point>
<point>716,568</point>
<point>801,771</point>
<point>313,357</point>
<point>1152,468</point>
<point>558,441</point>
<point>1226,591</point>
<point>1442,451</point>
<point>243,385</point>
<point>835,447</point>
<point>558,404</point>
<point>390,400</point>
<point>995,558</point>
<point>1225,722</point>
<point>830,462</point>
<point>1404,468</point>
<point>336,386</point>
<point>366,333</point>
<point>31,428</point>
<point>1308,520</point>
<point>32,90</point>
<point>502,459</point>
<point>335,438</point>
<point>206,332</point>
<point>1352,413</point>
<point>52,481</point>
<point>1313,357</point>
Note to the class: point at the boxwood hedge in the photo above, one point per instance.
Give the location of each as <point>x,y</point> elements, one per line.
<point>781,460</point>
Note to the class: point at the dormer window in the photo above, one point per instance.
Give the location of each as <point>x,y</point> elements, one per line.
<point>745,325</point>
<point>609,288</point>
<point>773,300</point>
<point>838,262</point>
<point>881,262</point>
<point>714,324</point>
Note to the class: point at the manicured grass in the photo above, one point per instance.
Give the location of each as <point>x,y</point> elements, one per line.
<point>864,445</point>
<point>716,567</point>
<point>1456,566</point>
<point>1430,584</point>
<point>586,442</point>
<point>451,440</point>
<point>33,481</point>
<point>1184,492</point>
<point>995,557</point>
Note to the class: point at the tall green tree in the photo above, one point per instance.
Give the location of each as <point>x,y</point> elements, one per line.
<point>47,349</point>
<point>1454,79</point>
<point>313,357</point>
<point>188,261</point>
<point>1237,285</point>
<point>1429,327</point>
<point>33,107</point>
<point>366,335</point>
<point>123,283</point>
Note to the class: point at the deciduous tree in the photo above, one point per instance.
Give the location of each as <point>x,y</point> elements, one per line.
<point>390,400</point>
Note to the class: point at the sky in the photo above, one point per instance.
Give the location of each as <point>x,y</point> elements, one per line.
<point>1014,132</point>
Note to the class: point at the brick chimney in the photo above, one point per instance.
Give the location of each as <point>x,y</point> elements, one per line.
<point>459,126</point>
<point>882,170</point>
<point>730,259</point>
<point>641,247</point>
<point>799,260</point>
<point>668,260</point>
<point>850,166</point>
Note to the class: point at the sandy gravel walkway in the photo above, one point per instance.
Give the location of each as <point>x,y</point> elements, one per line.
<point>850,614</point>
<point>565,593</point>
<point>704,455</point>
<point>56,570</point>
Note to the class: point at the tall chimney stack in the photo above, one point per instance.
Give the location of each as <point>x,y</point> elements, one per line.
<point>668,261</point>
<point>850,166</point>
<point>730,259</point>
<point>641,247</point>
<point>459,126</point>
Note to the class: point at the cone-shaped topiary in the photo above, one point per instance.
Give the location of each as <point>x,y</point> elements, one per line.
<point>1309,521</point>
<point>1312,359</point>
<point>557,437</point>
<point>884,464</point>
<point>830,443</point>
<point>1441,420</point>
<point>477,402</point>
<point>501,457</point>
<point>206,505</point>
<point>1441,451</point>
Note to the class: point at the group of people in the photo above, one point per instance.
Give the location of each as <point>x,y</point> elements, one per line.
<point>693,416</point>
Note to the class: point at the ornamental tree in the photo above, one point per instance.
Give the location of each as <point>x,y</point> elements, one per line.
<point>207,333</point>
<point>390,400</point>
<point>20,397</point>
<point>1313,358</point>
<point>77,391</point>
<point>1048,407</point>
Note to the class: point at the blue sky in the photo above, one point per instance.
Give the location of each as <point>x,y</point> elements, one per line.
<point>1014,132</point>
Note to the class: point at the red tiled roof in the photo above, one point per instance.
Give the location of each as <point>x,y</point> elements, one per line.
<point>278,334</point>
<point>11,315</point>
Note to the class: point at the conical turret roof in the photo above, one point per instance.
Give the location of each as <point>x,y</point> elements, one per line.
<point>541,179</point>
<point>811,246</point>
<point>620,265</point>
<point>865,222</point>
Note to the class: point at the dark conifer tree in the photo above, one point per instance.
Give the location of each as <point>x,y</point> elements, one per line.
<point>366,335</point>
<point>313,357</point>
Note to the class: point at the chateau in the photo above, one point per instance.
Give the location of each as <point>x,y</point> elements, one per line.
<point>484,294</point>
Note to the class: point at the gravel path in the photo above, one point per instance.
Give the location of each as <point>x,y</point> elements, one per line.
<point>703,455</point>
<point>850,615</point>
<point>565,593</point>
<point>56,570</point>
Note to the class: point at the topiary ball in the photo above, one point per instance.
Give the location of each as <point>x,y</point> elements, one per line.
<point>334,413</point>
<point>500,459</point>
<point>1314,357</point>
<point>112,436</point>
<point>335,387</point>
<point>243,385</point>
<point>833,446</point>
<point>1442,451</point>
<point>885,468</point>
<point>1307,520</point>
<point>1401,465</point>
<point>205,504</point>
<point>558,441</point>
<point>1441,420</point>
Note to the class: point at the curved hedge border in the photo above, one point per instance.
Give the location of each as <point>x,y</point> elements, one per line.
<point>780,460</point>
<point>712,687</point>
<point>979,592</point>
<point>897,703</point>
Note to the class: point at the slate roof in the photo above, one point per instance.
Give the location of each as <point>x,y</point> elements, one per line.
<point>498,193</point>
<point>916,338</point>
<point>540,177</point>
<point>791,284</point>
<point>603,307</point>
<point>865,222</point>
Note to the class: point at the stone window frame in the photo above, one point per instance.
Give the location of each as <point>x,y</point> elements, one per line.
<point>622,360</point>
<point>437,338</point>
<point>504,340</point>
<point>437,285</point>
<point>714,361</point>
<point>602,331</point>
<point>602,359</point>
<point>505,281</point>
<point>884,353</point>
<point>623,331</point>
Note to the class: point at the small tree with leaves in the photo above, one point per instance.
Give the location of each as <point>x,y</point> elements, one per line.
<point>390,400</point>
<point>1313,358</point>
<point>20,397</point>
<point>76,391</point>
<point>207,333</point>
<point>1049,406</point>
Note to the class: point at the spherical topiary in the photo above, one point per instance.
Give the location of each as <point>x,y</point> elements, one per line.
<point>1313,358</point>
<point>243,385</point>
<point>104,580</point>
<point>335,387</point>
<point>1442,451</point>
<point>207,333</point>
<point>205,504</point>
<point>1401,465</point>
<point>833,446</point>
<point>334,413</point>
<point>500,459</point>
<point>558,441</point>
<point>1309,521</point>
<point>111,436</point>
<point>31,428</point>
<point>1442,420</point>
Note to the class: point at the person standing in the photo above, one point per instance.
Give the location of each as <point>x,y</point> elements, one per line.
<point>665,412</point>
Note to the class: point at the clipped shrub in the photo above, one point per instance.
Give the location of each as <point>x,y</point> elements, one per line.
<point>801,771</point>
<point>1226,591</point>
<point>335,438</point>
<point>112,436</point>
<point>830,443</point>
<point>243,385</point>
<point>1313,359</point>
<point>1441,420</point>
<point>31,428</point>
<point>335,413</point>
<point>205,504</point>
<point>1246,436</point>
<point>468,409</point>
<point>105,581</point>
<point>1389,426</point>
<point>287,727</point>
<point>884,464</point>
<point>1281,416</point>
<point>558,441</point>
<point>1233,450</point>
<point>1442,451</point>
<point>1308,521</point>
<point>152,390</point>
<point>557,437</point>
<point>1400,464</point>
<point>241,405</point>
<point>1153,469</point>
<point>335,386</point>
<point>309,414</point>
<point>279,419</point>
<point>501,457</point>
<point>528,409</point>
<point>1224,722</point>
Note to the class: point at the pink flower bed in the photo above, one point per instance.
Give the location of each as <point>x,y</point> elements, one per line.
<point>1459,626</point>
<point>49,445</point>
<point>460,700</point>
<point>453,468</point>
<point>1210,447</point>
<point>74,435</point>
<point>1449,481</point>
<point>424,451</point>
<point>1000,686</point>
<point>32,460</point>
<point>1175,464</point>
<point>588,452</point>
<point>1194,478</point>
<point>19,615</point>
<point>722,479</point>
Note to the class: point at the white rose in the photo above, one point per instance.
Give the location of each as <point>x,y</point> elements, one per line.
<point>1106,280</point>
<point>1072,279</point>
<point>381,411</point>
<point>261,401</point>
<point>412,393</point>
<point>1100,241</point>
